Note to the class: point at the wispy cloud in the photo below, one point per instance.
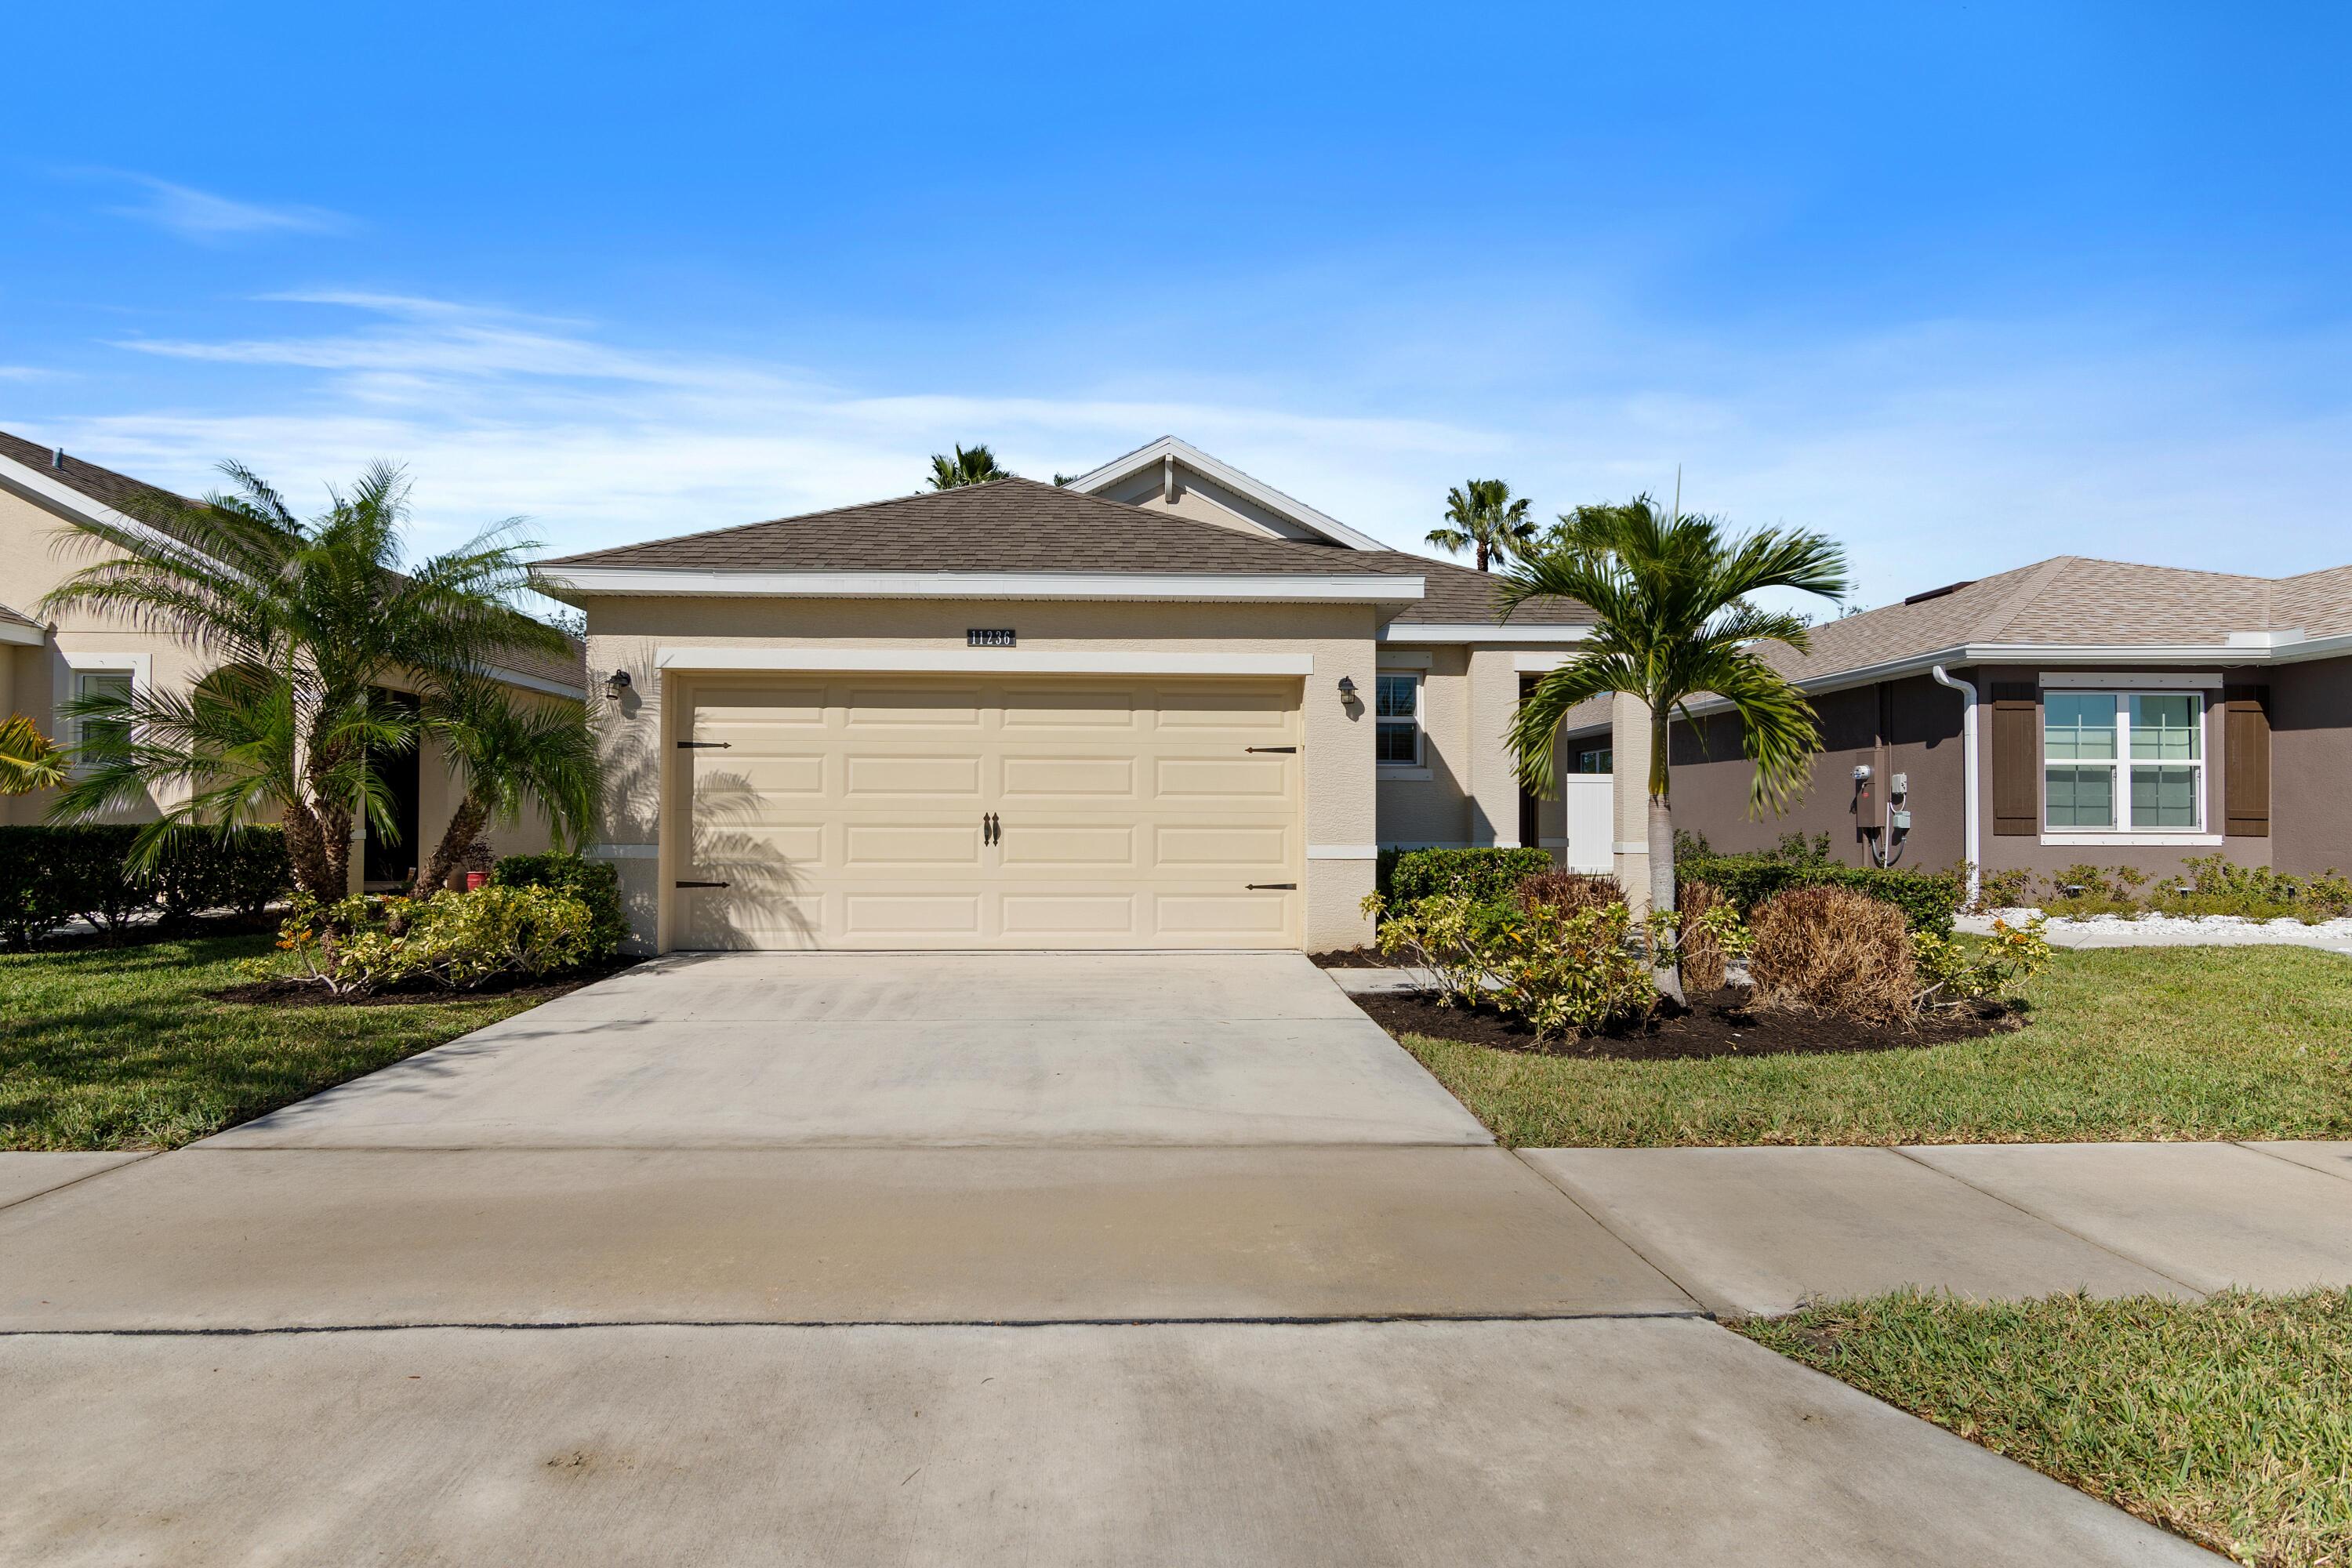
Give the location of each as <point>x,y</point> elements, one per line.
<point>1943,450</point>
<point>211,219</point>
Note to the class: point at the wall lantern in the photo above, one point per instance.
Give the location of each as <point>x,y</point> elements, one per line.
<point>1347,689</point>
<point>616,683</point>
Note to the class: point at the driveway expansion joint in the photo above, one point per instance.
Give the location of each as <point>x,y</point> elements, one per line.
<point>2051,1220</point>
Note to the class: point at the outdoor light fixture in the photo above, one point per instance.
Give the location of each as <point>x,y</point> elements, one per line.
<point>1347,689</point>
<point>616,683</point>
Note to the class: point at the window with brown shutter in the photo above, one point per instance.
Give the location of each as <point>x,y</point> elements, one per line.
<point>2016,758</point>
<point>2246,761</point>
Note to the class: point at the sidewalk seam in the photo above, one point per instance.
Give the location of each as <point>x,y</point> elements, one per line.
<point>139,1157</point>
<point>1714,1307</point>
<point>2269,1155</point>
<point>2052,1221</point>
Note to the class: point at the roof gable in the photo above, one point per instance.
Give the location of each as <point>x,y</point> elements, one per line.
<point>1154,457</point>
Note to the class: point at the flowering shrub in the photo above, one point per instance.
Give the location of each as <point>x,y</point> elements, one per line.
<point>1953,974</point>
<point>457,940</point>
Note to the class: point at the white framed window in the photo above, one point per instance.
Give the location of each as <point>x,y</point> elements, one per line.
<point>1396,719</point>
<point>2123,761</point>
<point>83,675</point>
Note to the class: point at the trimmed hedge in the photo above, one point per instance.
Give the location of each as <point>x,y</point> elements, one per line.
<point>1929,900</point>
<point>595,883</point>
<point>52,875</point>
<point>1486,875</point>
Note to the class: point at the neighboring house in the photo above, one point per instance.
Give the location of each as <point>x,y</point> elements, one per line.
<point>44,664</point>
<point>2121,715</point>
<point>1164,706</point>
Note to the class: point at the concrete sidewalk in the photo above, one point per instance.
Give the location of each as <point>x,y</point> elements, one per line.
<point>1762,1230</point>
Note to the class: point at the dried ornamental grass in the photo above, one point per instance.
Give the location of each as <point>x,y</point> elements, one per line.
<point>1571,892</point>
<point>1835,950</point>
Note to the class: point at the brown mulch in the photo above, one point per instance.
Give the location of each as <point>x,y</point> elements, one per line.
<point>288,993</point>
<point>1716,1024</point>
<point>1349,958</point>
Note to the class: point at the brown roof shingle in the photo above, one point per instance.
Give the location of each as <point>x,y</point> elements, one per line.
<point>102,485</point>
<point>1020,525</point>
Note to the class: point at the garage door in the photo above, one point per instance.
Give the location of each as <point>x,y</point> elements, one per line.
<point>845,811</point>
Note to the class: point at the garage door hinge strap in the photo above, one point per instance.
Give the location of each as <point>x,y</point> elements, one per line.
<point>1270,887</point>
<point>706,746</point>
<point>702,884</point>
<point>1269,748</point>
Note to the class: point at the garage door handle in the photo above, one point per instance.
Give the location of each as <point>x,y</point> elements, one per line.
<point>702,884</point>
<point>1269,748</point>
<point>1270,887</point>
<point>706,746</point>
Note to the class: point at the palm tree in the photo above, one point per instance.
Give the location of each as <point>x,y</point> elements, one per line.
<point>1671,619</point>
<point>306,618</point>
<point>1483,516</point>
<point>975,466</point>
<point>510,754</point>
<point>27,760</point>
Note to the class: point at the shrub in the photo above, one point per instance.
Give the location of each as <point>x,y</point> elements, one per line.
<point>1953,972</point>
<point>595,883</point>
<point>457,939</point>
<point>2216,887</point>
<point>1927,900</point>
<point>52,875</point>
<point>1833,950</point>
<point>1704,964</point>
<point>1569,892</point>
<point>1554,968</point>
<point>245,869</point>
<point>1486,875</point>
<point>2083,890</point>
<point>2002,889</point>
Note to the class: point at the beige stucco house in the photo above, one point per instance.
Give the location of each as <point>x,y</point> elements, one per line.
<point>1165,705</point>
<point>46,661</point>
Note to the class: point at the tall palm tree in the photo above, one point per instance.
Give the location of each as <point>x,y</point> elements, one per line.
<point>1481,515</point>
<point>1671,619</point>
<point>305,618</point>
<point>509,754</point>
<point>974,467</point>
<point>27,760</point>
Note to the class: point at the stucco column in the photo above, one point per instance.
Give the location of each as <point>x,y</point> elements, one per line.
<point>1493,781</point>
<point>1629,744</point>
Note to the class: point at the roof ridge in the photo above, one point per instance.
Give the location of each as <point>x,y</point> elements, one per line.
<point>2037,577</point>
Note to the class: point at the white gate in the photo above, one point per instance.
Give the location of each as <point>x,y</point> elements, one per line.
<point>1591,842</point>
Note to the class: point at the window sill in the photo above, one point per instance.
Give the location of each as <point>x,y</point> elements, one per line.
<point>2085,840</point>
<point>1397,772</point>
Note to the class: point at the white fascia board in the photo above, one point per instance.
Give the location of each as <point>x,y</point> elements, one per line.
<point>1565,637</point>
<point>54,495</point>
<point>536,683</point>
<point>1233,479</point>
<point>1353,588</point>
<point>2139,678</point>
<point>23,637</point>
<point>980,662</point>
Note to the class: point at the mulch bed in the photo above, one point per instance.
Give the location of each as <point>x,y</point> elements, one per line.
<point>1716,1024</point>
<point>287,992</point>
<point>1349,958</point>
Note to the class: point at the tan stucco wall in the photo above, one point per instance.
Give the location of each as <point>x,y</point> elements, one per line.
<point>628,633</point>
<point>1469,694</point>
<point>1204,500</point>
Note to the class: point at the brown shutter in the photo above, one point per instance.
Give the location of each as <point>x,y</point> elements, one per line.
<point>2246,761</point>
<point>2016,758</point>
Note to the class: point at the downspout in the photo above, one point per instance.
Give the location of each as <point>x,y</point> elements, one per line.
<point>1973,832</point>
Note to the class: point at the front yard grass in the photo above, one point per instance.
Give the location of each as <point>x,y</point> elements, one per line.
<point>2228,1420</point>
<point>120,1048</point>
<point>2121,1043</point>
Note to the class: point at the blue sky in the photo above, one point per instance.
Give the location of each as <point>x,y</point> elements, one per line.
<point>1964,286</point>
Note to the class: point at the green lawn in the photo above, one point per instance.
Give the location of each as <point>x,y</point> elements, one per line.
<point>2149,1043</point>
<point>118,1047</point>
<point>2228,1420</point>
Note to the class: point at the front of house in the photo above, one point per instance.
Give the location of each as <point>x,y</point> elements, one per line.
<point>1165,706</point>
<point>2071,711</point>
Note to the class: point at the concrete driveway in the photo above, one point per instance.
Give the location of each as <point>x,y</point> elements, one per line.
<point>776,1050</point>
<point>714,1263</point>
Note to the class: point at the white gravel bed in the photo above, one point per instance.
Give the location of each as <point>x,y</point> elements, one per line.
<point>2172,931</point>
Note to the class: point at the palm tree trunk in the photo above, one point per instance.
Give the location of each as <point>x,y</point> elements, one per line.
<point>312,873</point>
<point>1666,966</point>
<point>465,823</point>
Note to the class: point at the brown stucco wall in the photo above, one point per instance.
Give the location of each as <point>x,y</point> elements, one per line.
<point>2311,765</point>
<point>1912,727</point>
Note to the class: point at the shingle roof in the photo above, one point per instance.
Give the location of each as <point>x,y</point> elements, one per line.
<point>2077,601</point>
<point>14,619</point>
<point>1020,525</point>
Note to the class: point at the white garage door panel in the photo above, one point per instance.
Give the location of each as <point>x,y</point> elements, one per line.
<point>848,813</point>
